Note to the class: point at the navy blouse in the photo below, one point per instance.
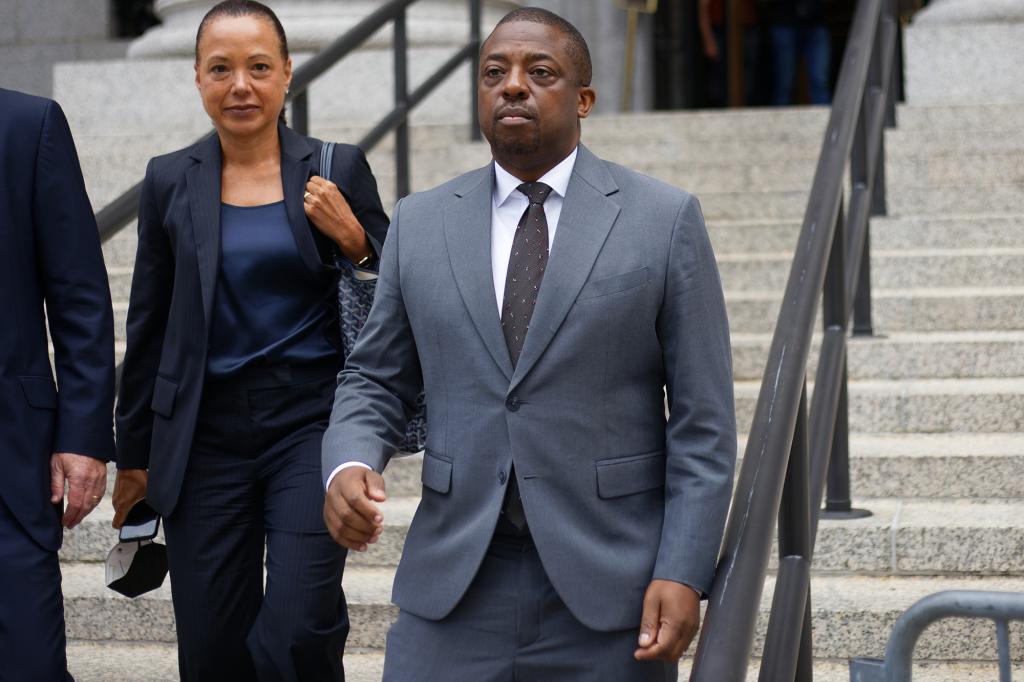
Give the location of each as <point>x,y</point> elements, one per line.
<point>268,308</point>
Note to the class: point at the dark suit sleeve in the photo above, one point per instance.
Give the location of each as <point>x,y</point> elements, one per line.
<point>149,303</point>
<point>77,294</point>
<point>701,431</point>
<point>360,189</point>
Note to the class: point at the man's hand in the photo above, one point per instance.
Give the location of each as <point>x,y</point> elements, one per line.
<point>129,490</point>
<point>352,518</point>
<point>670,620</point>
<point>85,478</point>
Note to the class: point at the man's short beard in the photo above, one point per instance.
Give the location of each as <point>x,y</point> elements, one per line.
<point>517,146</point>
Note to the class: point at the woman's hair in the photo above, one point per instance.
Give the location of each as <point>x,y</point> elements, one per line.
<point>243,8</point>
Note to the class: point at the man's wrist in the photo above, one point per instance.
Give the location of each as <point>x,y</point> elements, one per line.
<point>338,469</point>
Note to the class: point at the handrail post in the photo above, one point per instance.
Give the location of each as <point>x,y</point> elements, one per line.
<point>300,113</point>
<point>862,317</point>
<point>401,103</point>
<point>474,69</point>
<point>805,656</point>
<point>787,642</point>
<point>836,314</point>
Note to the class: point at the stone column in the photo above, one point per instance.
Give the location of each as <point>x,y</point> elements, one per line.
<point>966,52</point>
<point>36,34</point>
<point>604,28</point>
<point>345,100</point>
<point>310,24</point>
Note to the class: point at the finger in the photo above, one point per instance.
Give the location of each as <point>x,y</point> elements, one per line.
<point>649,620</point>
<point>98,484</point>
<point>56,480</point>
<point>75,510</point>
<point>375,487</point>
<point>357,537</point>
<point>358,523</point>
<point>670,639</point>
<point>119,517</point>
<point>334,527</point>
<point>362,506</point>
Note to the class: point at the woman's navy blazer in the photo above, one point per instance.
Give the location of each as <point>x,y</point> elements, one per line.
<point>176,268</point>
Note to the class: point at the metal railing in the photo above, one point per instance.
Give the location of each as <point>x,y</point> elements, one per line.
<point>1001,607</point>
<point>791,450</point>
<point>118,213</point>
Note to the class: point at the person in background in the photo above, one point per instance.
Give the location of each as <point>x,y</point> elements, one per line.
<point>54,438</point>
<point>232,357</point>
<point>714,39</point>
<point>797,27</point>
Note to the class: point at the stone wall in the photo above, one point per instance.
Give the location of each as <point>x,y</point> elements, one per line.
<point>36,34</point>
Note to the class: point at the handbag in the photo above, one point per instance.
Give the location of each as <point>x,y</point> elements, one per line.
<point>355,297</point>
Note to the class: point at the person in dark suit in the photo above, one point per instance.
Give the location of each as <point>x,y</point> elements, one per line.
<point>232,359</point>
<point>550,303</point>
<point>52,437</point>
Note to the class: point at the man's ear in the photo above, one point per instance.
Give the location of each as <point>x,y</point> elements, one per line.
<point>585,102</point>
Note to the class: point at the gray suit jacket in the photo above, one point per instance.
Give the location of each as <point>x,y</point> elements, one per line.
<point>615,494</point>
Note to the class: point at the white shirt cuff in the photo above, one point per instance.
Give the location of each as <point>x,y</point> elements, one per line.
<point>346,465</point>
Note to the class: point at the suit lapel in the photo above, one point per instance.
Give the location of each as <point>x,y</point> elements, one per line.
<point>296,154</point>
<point>467,232</point>
<point>586,219</point>
<point>203,183</point>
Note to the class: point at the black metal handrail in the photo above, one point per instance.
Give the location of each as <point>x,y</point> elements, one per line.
<point>790,451</point>
<point>118,213</point>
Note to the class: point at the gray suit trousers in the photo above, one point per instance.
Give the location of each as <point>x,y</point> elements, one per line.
<point>511,626</point>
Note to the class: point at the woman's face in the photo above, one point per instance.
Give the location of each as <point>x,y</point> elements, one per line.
<point>241,75</point>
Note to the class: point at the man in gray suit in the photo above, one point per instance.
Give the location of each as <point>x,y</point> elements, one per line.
<point>547,304</point>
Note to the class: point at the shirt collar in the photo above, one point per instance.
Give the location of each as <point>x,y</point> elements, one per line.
<point>557,178</point>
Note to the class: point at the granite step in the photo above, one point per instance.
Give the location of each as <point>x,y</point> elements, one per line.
<point>901,269</point>
<point>946,465</point>
<point>901,310</point>
<point>895,310</point>
<point>902,537</point>
<point>941,201</point>
<point>983,267</point>
<point>927,466</point>
<point>887,234</point>
<point>904,355</point>
<point>703,175</point>
<point>731,237</point>
<point>131,662</point>
<point>116,661</point>
<point>920,405</point>
<point>853,615</point>
<point>700,166</point>
<point>938,355</point>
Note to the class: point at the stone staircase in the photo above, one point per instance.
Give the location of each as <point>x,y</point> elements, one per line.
<point>936,399</point>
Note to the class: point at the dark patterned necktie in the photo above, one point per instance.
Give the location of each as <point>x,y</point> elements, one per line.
<point>526,266</point>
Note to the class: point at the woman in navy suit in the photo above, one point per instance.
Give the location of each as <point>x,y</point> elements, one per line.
<point>233,351</point>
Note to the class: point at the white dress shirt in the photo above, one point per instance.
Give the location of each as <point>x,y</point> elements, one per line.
<point>507,207</point>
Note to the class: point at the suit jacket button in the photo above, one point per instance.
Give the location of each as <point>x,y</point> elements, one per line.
<point>501,477</point>
<point>513,403</point>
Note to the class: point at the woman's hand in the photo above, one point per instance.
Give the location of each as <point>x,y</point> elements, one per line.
<point>327,209</point>
<point>129,489</point>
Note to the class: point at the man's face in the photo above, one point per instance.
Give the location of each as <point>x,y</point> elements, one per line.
<point>530,97</point>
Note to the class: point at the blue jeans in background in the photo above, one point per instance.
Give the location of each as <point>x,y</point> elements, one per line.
<point>814,44</point>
